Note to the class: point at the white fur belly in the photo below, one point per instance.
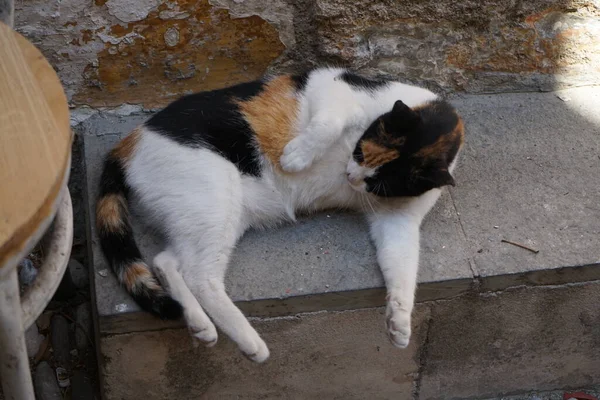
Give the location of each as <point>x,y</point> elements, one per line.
<point>324,185</point>
<point>174,183</point>
<point>263,202</point>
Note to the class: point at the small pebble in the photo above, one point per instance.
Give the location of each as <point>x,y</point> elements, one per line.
<point>79,274</point>
<point>327,286</point>
<point>33,340</point>
<point>44,382</point>
<point>103,273</point>
<point>84,321</point>
<point>43,321</point>
<point>60,340</point>
<point>121,307</point>
<point>496,227</point>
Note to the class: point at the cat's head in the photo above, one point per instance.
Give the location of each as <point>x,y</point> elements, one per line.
<point>407,152</point>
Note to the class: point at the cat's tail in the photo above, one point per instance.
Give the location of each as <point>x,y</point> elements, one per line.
<point>118,244</point>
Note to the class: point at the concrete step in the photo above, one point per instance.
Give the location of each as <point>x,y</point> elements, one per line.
<point>528,174</point>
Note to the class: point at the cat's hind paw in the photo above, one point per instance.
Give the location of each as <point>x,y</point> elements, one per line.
<point>257,351</point>
<point>398,326</point>
<point>297,156</point>
<point>207,335</point>
<point>201,328</point>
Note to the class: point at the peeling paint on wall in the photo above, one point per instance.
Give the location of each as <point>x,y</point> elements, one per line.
<point>150,52</point>
<point>131,10</point>
<point>159,59</point>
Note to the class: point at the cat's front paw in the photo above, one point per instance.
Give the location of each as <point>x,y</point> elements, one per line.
<point>297,156</point>
<point>398,324</point>
<point>201,328</point>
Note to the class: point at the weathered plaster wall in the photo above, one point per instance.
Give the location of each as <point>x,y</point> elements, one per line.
<point>147,52</point>
<point>472,45</point>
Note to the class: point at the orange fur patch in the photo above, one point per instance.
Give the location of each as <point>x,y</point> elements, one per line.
<point>125,148</point>
<point>272,115</point>
<point>109,212</point>
<point>137,273</point>
<point>375,155</point>
<point>445,142</point>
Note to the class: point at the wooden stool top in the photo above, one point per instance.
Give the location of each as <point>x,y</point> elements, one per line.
<point>35,143</point>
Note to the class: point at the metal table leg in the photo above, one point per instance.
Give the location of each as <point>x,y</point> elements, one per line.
<point>17,314</point>
<point>14,367</point>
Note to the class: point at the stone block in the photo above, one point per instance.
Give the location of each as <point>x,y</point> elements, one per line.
<point>343,355</point>
<point>516,341</point>
<point>326,262</point>
<point>529,174</point>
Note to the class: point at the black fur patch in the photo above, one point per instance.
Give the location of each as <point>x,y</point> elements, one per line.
<point>438,117</point>
<point>212,120</point>
<point>112,180</point>
<point>362,83</point>
<point>301,80</point>
<point>161,305</point>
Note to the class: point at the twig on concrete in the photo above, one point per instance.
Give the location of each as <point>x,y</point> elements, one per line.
<point>520,245</point>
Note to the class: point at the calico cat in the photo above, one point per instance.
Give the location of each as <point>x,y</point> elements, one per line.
<point>213,164</point>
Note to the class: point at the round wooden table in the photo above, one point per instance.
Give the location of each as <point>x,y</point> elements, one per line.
<point>35,156</point>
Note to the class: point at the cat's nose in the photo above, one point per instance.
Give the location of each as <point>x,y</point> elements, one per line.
<point>353,180</point>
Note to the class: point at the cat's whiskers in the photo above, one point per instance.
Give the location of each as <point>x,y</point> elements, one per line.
<point>366,200</point>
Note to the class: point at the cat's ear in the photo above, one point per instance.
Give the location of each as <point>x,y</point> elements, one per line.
<point>404,112</point>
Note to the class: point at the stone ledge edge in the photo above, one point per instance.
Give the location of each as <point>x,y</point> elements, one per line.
<point>366,298</point>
